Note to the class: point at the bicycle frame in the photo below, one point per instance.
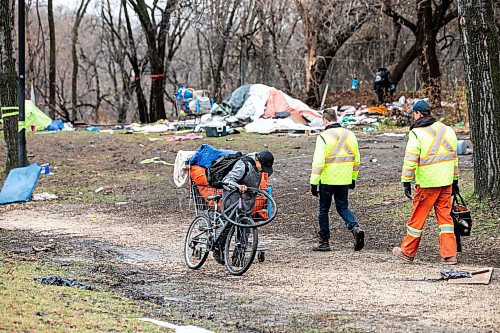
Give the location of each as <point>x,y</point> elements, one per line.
<point>217,221</point>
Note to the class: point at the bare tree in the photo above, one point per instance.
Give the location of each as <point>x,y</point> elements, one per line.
<point>156,34</point>
<point>80,13</point>
<point>431,17</point>
<point>52,59</point>
<point>8,84</point>
<point>481,47</point>
<point>327,25</point>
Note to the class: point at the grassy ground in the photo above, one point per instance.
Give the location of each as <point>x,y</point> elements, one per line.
<point>28,306</point>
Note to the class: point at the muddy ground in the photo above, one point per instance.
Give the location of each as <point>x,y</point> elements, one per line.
<point>129,238</point>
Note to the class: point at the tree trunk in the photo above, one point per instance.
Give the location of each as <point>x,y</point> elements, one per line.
<point>52,60</point>
<point>74,57</point>
<point>156,39</point>
<point>8,85</point>
<point>481,47</point>
<point>136,81</point>
<point>428,61</point>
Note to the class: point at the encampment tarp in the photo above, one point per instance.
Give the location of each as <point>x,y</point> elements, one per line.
<point>20,184</point>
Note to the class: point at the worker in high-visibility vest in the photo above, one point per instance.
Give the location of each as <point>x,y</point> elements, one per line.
<point>431,159</point>
<point>335,169</point>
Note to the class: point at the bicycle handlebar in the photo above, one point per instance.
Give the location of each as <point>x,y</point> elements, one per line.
<point>232,186</point>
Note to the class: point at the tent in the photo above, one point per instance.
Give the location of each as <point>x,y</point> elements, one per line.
<point>33,116</point>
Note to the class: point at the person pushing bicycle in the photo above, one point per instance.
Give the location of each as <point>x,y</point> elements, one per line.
<point>246,172</point>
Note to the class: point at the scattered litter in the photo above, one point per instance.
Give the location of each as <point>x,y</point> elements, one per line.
<point>177,328</point>
<point>44,196</point>
<point>154,139</point>
<point>460,124</point>
<point>477,275</point>
<point>92,129</point>
<point>155,159</point>
<point>454,274</point>
<point>56,280</point>
<point>368,129</point>
<point>374,160</point>
<point>44,248</point>
<point>99,189</point>
<point>393,134</point>
<point>121,203</point>
<point>462,147</point>
<point>191,136</point>
<point>230,139</point>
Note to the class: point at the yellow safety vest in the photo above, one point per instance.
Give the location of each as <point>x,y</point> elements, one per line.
<point>431,156</point>
<point>336,158</point>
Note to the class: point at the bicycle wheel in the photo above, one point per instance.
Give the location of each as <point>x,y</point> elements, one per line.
<point>241,246</point>
<point>233,213</point>
<point>196,244</point>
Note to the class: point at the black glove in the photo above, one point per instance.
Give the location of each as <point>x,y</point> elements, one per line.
<point>454,188</point>
<point>407,187</point>
<point>314,190</point>
<point>353,185</point>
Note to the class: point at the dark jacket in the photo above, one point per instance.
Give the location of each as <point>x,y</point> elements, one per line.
<point>237,176</point>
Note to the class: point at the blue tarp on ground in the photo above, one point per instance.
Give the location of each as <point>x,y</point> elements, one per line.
<point>55,125</point>
<point>20,184</point>
<point>206,154</point>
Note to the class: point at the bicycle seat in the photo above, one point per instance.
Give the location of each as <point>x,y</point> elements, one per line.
<point>213,197</point>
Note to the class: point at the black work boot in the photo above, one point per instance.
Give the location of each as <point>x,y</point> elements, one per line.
<point>323,246</point>
<point>218,254</point>
<point>359,238</point>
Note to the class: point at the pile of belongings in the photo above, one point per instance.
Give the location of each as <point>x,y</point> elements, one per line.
<point>350,116</point>
<point>192,166</point>
<point>190,101</point>
<point>263,109</point>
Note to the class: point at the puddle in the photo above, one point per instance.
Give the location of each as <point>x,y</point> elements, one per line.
<point>135,256</point>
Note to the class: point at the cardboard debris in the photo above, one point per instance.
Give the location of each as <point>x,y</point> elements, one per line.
<point>480,275</point>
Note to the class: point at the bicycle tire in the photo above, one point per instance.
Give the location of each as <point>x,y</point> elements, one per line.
<point>242,236</point>
<point>236,221</point>
<point>189,247</point>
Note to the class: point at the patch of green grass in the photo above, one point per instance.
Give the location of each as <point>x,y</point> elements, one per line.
<point>30,306</point>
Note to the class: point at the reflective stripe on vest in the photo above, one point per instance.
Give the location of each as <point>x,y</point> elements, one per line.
<point>341,144</point>
<point>439,141</point>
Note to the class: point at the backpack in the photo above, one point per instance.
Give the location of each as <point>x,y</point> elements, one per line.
<point>221,167</point>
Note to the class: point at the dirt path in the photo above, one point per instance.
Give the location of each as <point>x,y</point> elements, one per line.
<point>294,287</point>
<point>136,248</point>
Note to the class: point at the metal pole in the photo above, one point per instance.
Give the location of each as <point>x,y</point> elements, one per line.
<point>21,87</point>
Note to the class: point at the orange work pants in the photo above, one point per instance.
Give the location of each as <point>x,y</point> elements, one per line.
<point>423,201</point>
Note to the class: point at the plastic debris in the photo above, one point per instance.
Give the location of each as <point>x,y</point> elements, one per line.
<point>155,160</point>
<point>186,137</point>
<point>92,129</point>
<point>44,196</point>
<point>454,274</point>
<point>177,328</point>
<point>56,280</point>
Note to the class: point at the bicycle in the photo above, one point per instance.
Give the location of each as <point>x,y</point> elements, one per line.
<point>235,222</point>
